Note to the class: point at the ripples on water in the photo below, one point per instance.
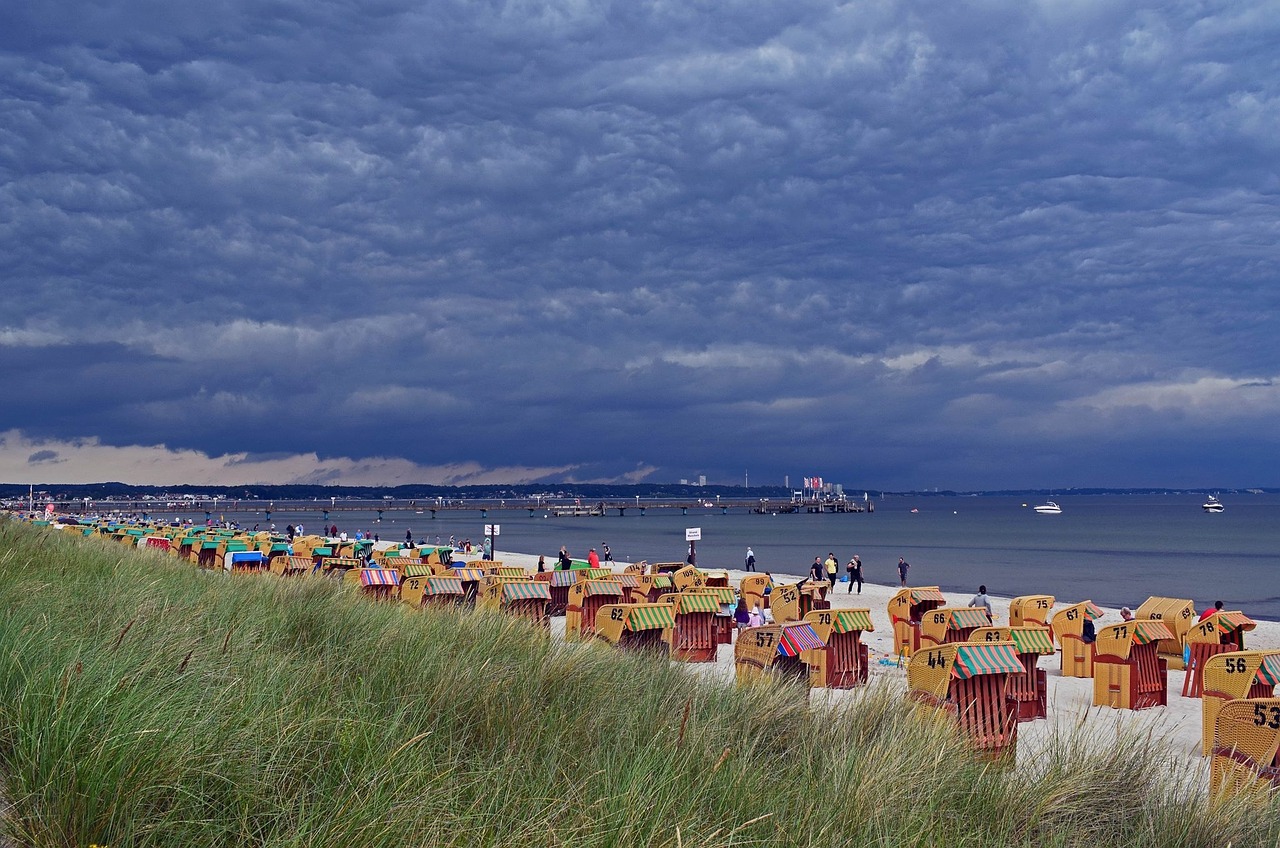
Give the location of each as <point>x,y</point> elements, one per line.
<point>1116,550</point>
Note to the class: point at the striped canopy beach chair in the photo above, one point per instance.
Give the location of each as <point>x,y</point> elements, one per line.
<point>1068,629</point>
<point>967,681</point>
<point>1128,672</point>
<point>694,634</point>
<point>635,627</point>
<point>1029,690</point>
<point>775,651</point>
<point>842,662</point>
<point>1219,633</point>
<point>907,609</point>
<point>951,624</point>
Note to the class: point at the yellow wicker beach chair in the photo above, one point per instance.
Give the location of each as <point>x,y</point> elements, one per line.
<point>966,680</point>
<point>906,610</point>
<point>586,597</point>
<point>694,636</point>
<point>1029,690</point>
<point>1128,672</point>
<point>378,584</point>
<point>559,583</point>
<point>649,587</point>
<point>775,651</point>
<point>522,597</point>
<point>635,627</point>
<point>792,602</point>
<point>1219,633</point>
<point>1246,743</point>
<point>1236,674</point>
<point>665,567</point>
<point>951,624</point>
<point>1068,629</point>
<point>752,589</point>
<point>843,661</point>
<point>1179,614</point>
<point>291,566</point>
<point>1030,609</point>
<point>688,578</point>
<point>433,591</point>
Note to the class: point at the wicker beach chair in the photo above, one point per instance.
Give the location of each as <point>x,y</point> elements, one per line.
<point>1219,633</point>
<point>694,634</point>
<point>775,651</point>
<point>1030,609</point>
<point>843,661</point>
<point>291,566</point>
<point>1028,690</point>
<point>951,624</point>
<point>1246,749</point>
<point>586,597</point>
<point>967,681</point>
<point>907,608</point>
<point>1179,614</point>
<point>1236,674</point>
<point>1068,629</point>
<point>635,627</point>
<point>378,584</point>
<point>1128,672</point>
<point>521,597</point>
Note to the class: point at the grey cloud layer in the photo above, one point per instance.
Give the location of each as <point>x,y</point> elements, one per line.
<point>887,242</point>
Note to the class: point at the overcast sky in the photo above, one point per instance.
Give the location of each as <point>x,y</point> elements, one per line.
<point>897,244</point>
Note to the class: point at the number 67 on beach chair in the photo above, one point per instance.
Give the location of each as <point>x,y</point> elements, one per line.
<point>1068,629</point>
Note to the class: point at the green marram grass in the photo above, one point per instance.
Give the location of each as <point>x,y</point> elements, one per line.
<point>146,703</point>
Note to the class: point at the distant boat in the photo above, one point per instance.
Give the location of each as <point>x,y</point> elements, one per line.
<point>1212,505</point>
<point>1049,508</point>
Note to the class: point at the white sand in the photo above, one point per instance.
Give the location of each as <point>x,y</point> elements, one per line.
<point>1070,699</point>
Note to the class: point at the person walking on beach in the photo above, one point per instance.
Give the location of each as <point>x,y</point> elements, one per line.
<point>903,567</point>
<point>608,554</point>
<point>854,569</point>
<point>981,600</point>
<point>751,560</point>
<point>833,568</point>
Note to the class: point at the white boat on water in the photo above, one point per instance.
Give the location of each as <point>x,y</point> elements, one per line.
<point>1048,508</point>
<point>1212,505</point>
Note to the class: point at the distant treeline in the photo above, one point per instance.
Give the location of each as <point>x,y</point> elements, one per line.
<point>585,491</point>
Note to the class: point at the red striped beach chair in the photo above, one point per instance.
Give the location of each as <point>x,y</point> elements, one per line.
<point>967,681</point>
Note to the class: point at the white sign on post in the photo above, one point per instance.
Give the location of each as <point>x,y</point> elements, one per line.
<point>693,534</point>
<point>493,529</point>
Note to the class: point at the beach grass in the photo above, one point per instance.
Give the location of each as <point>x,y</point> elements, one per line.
<point>146,703</point>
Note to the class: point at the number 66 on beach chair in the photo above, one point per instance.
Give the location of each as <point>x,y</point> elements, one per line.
<point>907,609</point>
<point>967,681</point>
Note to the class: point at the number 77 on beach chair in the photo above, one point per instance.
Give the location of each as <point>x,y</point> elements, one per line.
<point>1128,673</point>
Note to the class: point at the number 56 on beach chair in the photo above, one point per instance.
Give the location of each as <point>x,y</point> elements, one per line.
<point>1233,675</point>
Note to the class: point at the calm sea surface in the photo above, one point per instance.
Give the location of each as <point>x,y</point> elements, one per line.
<point>1113,549</point>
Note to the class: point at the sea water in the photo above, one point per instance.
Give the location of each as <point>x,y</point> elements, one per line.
<point>1113,549</point>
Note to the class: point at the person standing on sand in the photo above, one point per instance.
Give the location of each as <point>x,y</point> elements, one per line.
<point>854,569</point>
<point>981,600</point>
<point>833,567</point>
<point>751,560</point>
<point>608,554</point>
<point>903,567</point>
<point>817,571</point>
<point>542,563</point>
<point>593,559</point>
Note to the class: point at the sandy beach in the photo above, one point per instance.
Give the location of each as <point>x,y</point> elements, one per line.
<point>1178,725</point>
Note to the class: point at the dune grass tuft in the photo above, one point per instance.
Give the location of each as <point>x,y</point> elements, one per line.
<point>146,703</point>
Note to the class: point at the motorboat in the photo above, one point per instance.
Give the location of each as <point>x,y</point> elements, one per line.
<point>1212,505</point>
<point>1048,508</point>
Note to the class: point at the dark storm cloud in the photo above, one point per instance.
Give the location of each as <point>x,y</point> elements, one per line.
<point>893,243</point>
